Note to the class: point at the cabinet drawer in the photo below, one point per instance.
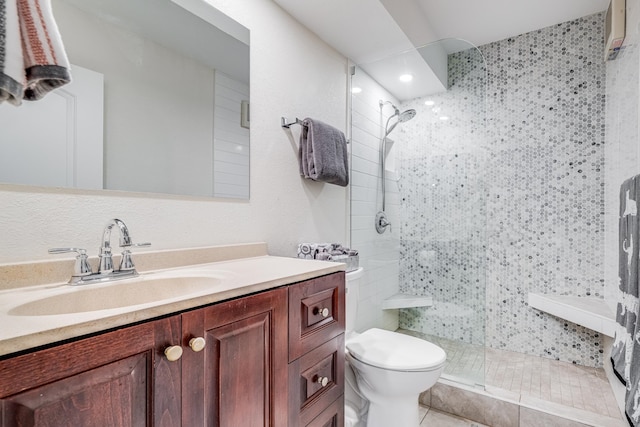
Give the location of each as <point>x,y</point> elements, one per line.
<point>315,380</point>
<point>316,313</point>
<point>332,416</point>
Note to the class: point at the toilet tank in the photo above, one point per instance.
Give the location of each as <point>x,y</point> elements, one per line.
<point>352,283</point>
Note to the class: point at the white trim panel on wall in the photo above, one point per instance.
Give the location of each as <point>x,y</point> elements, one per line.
<point>231,140</point>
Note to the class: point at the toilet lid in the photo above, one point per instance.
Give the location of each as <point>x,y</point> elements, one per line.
<point>392,350</point>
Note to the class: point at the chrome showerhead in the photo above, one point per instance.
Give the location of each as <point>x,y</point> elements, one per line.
<point>405,116</point>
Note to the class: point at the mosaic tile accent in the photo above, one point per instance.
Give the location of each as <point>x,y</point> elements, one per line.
<point>522,208</point>
<point>442,251</point>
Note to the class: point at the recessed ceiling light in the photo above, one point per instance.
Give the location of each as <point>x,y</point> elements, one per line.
<point>429,103</point>
<point>356,89</point>
<point>444,118</point>
<point>406,78</point>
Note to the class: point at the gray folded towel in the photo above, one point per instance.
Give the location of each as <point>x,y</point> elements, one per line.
<point>323,153</point>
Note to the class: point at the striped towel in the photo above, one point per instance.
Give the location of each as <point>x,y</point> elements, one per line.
<point>32,57</point>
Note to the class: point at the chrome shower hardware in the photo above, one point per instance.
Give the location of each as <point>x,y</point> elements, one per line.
<point>381,222</point>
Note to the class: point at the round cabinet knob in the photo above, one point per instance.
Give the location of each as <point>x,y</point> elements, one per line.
<point>197,344</point>
<point>323,381</point>
<point>324,312</point>
<point>173,353</point>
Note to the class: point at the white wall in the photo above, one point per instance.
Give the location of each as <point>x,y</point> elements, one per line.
<point>622,158</point>
<point>379,253</point>
<point>622,136</point>
<point>292,73</point>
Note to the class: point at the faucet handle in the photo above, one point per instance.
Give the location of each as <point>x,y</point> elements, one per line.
<point>126,264</point>
<point>141,245</point>
<point>135,245</point>
<point>81,267</point>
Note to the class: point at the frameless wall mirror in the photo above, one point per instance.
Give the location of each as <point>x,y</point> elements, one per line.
<point>159,103</point>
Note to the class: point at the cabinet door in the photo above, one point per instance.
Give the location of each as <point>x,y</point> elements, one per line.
<point>240,377</point>
<point>118,379</point>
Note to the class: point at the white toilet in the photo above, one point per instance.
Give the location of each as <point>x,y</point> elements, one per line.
<point>390,370</point>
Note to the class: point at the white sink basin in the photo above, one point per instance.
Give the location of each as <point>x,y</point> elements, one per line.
<point>121,294</point>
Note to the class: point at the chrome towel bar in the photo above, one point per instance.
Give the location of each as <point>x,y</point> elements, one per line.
<point>285,123</point>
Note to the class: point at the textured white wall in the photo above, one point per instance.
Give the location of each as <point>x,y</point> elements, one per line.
<point>293,73</point>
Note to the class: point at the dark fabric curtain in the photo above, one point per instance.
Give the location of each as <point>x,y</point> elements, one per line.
<point>625,354</point>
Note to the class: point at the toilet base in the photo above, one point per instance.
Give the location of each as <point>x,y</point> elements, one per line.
<point>394,412</point>
<point>351,416</point>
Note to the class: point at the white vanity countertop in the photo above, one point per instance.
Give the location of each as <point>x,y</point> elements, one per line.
<point>240,277</point>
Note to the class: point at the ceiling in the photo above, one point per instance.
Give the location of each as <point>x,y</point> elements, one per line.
<point>368,31</point>
<point>491,20</point>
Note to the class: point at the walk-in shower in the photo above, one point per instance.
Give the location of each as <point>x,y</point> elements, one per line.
<point>427,179</point>
<point>495,189</point>
<point>381,220</point>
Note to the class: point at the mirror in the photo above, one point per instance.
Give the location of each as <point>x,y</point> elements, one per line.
<point>159,103</point>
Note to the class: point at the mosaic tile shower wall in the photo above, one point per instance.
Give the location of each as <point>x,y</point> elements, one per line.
<point>443,206</point>
<point>537,181</point>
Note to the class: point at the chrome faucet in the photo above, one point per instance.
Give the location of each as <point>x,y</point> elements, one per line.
<point>83,273</point>
<point>106,258</point>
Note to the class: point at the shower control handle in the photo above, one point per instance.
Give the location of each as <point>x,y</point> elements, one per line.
<point>382,223</point>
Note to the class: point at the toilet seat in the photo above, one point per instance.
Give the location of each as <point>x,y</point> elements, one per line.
<point>395,351</point>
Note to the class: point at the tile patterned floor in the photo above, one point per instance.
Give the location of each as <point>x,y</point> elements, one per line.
<point>571,385</point>
<point>529,376</point>
<point>430,417</point>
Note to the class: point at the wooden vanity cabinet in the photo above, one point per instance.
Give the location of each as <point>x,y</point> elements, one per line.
<point>316,352</point>
<point>242,376</point>
<point>119,378</point>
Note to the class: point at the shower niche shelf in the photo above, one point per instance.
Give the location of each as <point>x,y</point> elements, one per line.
<point>401,300</point>
<point>592,313</point>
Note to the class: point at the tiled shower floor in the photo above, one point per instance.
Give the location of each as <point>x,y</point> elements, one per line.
<point>529,376</point>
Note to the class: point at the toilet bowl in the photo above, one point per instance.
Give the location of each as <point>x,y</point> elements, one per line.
<point>390,370</point>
